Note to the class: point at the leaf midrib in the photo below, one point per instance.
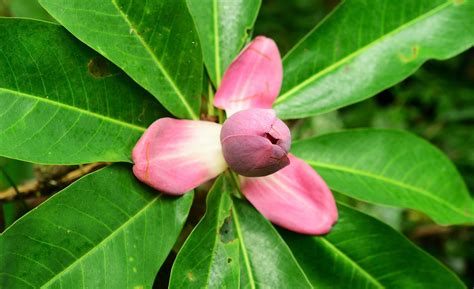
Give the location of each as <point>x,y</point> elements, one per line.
<point>244,250</point>
<point>216,43</point>
<point>105,240</point>
<point>359,51</point>
<point>337,251</point>
<point>218,211</point>
<point>74,108</point>
<point>246,258</point>
<point>406,186</point>
<point>157,62</point>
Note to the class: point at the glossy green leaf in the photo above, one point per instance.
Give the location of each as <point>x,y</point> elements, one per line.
<point>266,261</point>
<point>29,9</point>
<point>223,27</point>
<point>392,168</point>
<point>210,256</point>
<point>104,231</point>
<point>152,41</point>
<point>60,102</point>
<point>364,47</point>
<point>362,252</point>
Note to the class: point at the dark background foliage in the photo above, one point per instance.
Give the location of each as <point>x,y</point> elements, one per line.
<point>437,103</point>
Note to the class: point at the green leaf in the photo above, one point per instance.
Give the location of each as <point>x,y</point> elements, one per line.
<point>62,103</point>
<point>13,171</point>
<point>392,168</point>
<point>210,256</point>
<point>152,41</point>
<point>362,252</point>
<point>364,47</point>
<point>104,231</point>
<point>29,9</point>
<point>266,261</point>
<point>223,27</point>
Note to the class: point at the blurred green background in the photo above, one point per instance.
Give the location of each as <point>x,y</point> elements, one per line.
<point>436,103</point>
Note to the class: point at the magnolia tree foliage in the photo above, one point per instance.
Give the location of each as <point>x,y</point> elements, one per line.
<point>186,86</point>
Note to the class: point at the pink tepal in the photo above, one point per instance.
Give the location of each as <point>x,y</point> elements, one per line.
<point>295,198</point>
<point>254,78</point>
<point>175,156</point>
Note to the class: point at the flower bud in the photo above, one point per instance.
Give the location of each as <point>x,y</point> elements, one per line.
<point>255,142</point>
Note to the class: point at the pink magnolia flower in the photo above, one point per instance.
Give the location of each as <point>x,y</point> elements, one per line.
<point>175,156</point>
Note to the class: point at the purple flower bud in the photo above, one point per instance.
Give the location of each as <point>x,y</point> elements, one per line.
<point>255,142</point>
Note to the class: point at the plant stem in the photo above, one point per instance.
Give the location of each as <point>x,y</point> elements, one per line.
<point>221,116</point>
<point>235,180</point>
<point>210,101</point>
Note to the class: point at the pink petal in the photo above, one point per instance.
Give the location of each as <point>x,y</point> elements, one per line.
<point>295,198</point>
<point>253,80</point>
<point>175,156</point>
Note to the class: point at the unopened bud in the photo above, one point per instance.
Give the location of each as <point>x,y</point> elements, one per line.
<point>255,142</point>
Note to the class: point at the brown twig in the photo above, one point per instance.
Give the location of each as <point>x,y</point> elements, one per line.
<point>53,186</point>
<point>429,230</point>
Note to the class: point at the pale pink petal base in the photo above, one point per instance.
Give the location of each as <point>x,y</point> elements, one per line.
<point>253,80</point>
<point>175,156</point>
<point>295,198</point>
